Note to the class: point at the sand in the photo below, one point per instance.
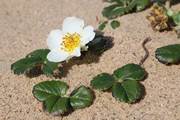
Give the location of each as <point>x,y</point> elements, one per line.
<point>24,26</point>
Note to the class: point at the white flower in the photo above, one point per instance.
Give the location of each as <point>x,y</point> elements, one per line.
<point>67,43</point>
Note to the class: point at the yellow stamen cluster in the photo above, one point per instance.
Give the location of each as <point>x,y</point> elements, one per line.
<point>71,42</point>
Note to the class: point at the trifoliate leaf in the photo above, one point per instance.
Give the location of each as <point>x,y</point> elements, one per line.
<point>54,98</point>
<point>81,97</point>
<point>52,94</point>
<point>102,81</point>
<point>128,91</point>
<point>115,24</point>
<point>124,82</point>
<point>32,60</point>
<point>168,54</point>
<point>102,25</point>
<point>130,72</point>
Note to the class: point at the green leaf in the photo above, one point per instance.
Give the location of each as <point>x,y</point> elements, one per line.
<point>115,24</point>
<point>176,18</point>
<point>40,53</point>
<point>55,104</point>
<point>25,65</point>
<point>130,72</point>
<point>117,1</point>
<point>119,93</point>
<point>169,12</point>
<point>131,5</point>
<point>169,54</point>
<point>102,25</point>
<point>81,97</point>
<point>46,89</point>
<point>113,11</point>
<point>49,67</point>
<point>159,1</point>
<point>52,94</point>
<point>102,81</point>
<point>32,60</point>
<point>121,7</point>
<point>128,91</point>
<point>141,4</point>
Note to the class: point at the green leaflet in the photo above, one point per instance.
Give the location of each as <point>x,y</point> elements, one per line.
<point>102,25</point>
<point>57,105</point>
<point>40,53</point>
<point>168,54</point>
<point>116,1</point>
<point>142,4</point>
<point>102,81</point>
<point>45,89</point>
<point>115,24</point>
<point>128,91</point>
<point>130,72</point>
<point>81,97</point>
<point>49,67</point>
<point>176,18</point>
<point>52,94</point>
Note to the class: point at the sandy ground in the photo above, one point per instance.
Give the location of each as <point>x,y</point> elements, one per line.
<point>24,25</point>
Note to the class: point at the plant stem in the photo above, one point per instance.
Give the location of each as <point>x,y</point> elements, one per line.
<point>146,51</point>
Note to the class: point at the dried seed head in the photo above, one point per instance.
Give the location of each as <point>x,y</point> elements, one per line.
<point>158,18</point>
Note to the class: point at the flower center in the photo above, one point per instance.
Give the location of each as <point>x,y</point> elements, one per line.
<point>71,41</point>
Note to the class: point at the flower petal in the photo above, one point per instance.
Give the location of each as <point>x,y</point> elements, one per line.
<point>88,35</point>
<point>57,55</point>
<point>54,39</point>
<point>76,52</point>
<point>72,25</point>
